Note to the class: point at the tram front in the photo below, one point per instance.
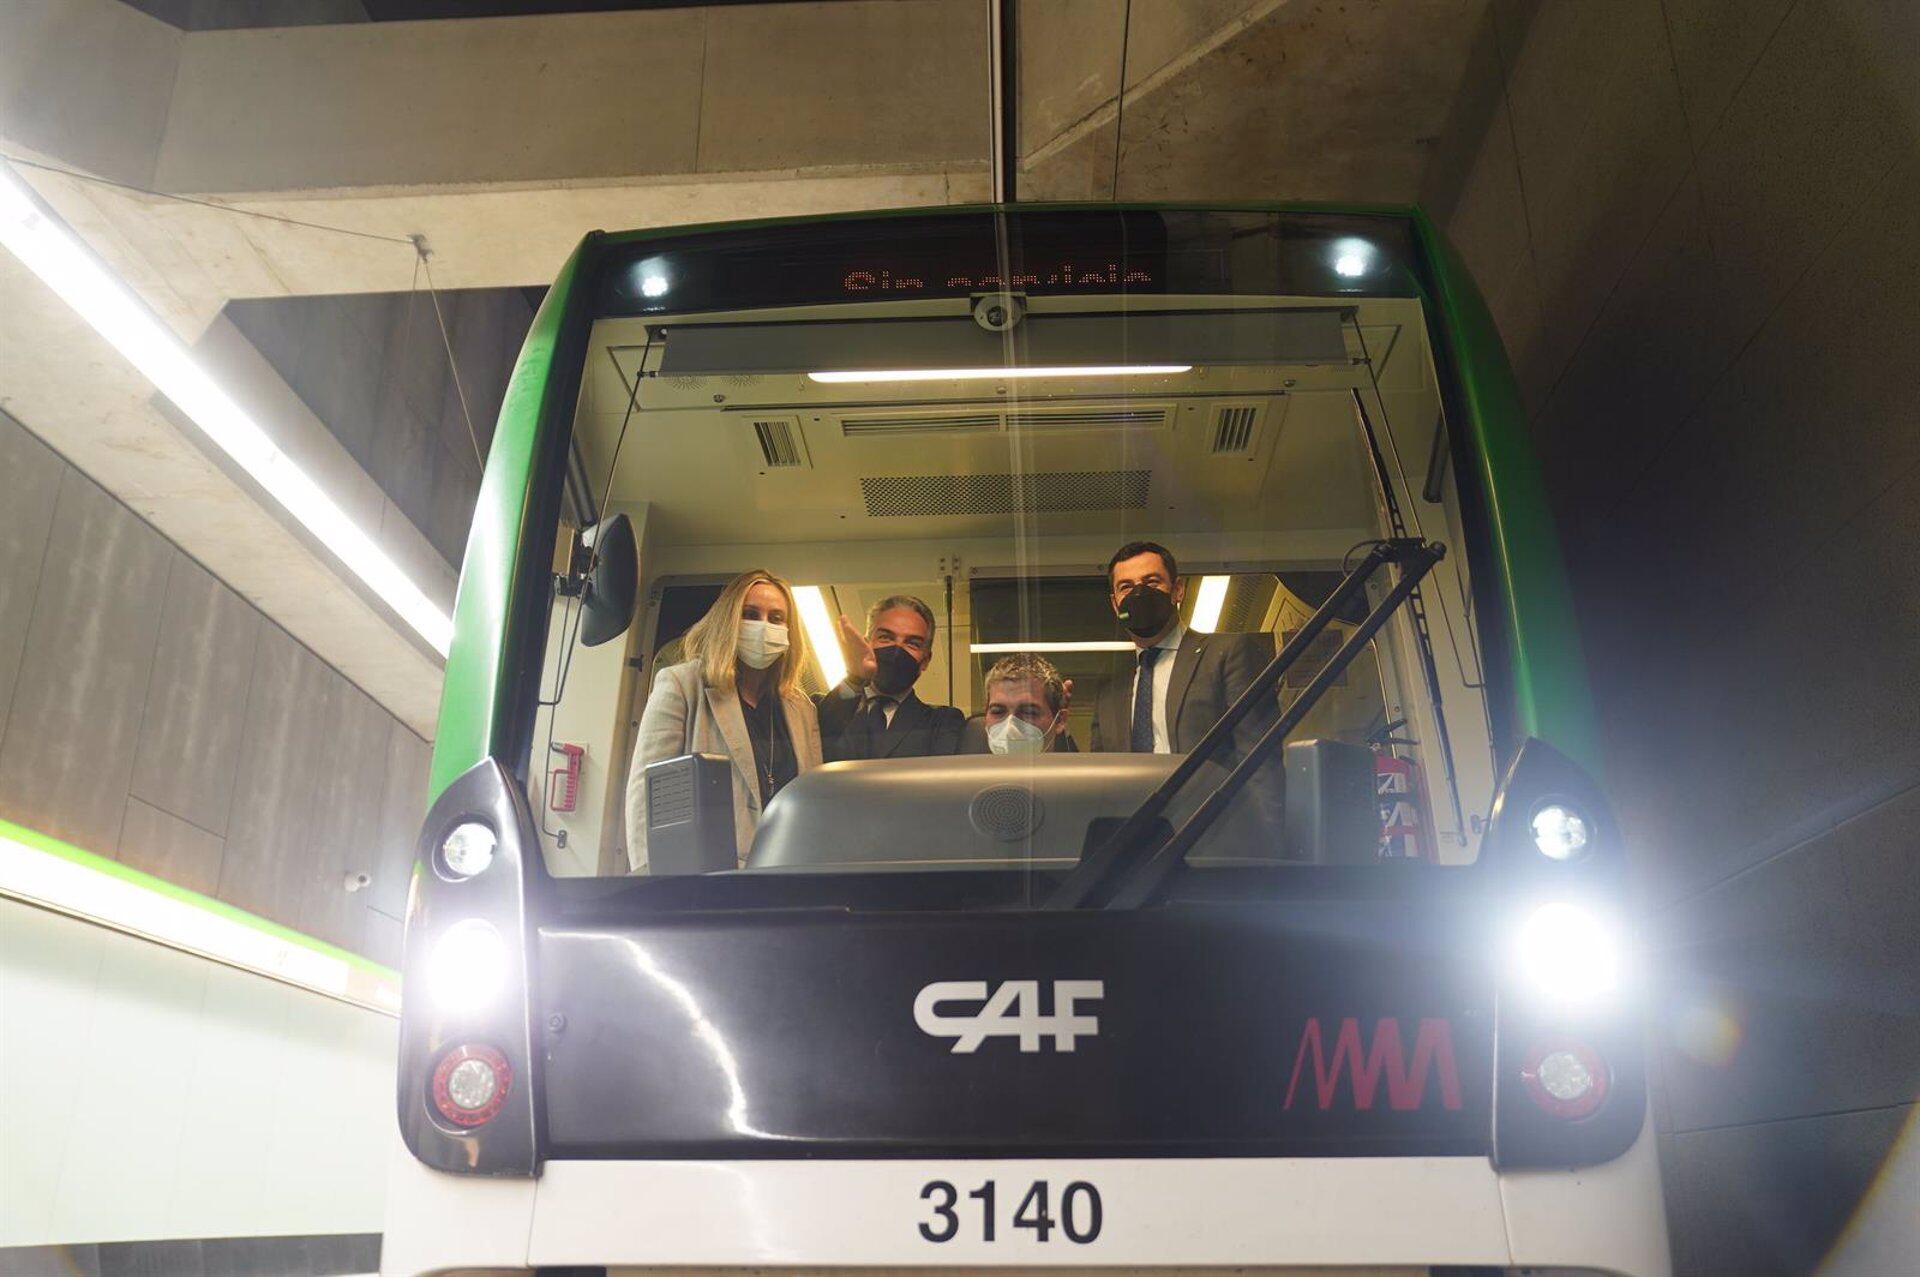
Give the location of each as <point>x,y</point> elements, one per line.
<point>1285,932</point>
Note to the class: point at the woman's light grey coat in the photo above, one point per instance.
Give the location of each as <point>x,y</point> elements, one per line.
<point>685,716</point>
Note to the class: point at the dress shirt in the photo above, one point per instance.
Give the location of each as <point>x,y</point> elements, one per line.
<point>1162,680</point>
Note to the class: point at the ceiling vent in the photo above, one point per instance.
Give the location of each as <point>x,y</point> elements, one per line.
<point>1148,418</point>
<point>779,439</point>
<point>1236,429</point>
<point>918,424</point>
<point>1056,492</point>
<point>994,420</point>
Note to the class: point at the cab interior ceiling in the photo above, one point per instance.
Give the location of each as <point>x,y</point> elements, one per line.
<point>1254,455</point>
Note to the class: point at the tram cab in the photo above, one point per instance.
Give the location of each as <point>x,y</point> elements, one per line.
<point>1289,1005</point>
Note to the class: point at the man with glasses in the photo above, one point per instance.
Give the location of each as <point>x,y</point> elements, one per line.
<point>874,712</point>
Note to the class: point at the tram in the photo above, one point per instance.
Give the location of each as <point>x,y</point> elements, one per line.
<point>1072,1008</point>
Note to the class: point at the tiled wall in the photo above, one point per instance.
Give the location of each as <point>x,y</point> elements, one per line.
<point>149,713</point>
<point>1698,225</point>
<point>152,1094</point>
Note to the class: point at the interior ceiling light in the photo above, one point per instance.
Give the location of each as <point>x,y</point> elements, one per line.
<point>992,649</point>
<point>79,278</point>
<point>996,374</point>
<point>822,631</point>
<point>1207,603</point>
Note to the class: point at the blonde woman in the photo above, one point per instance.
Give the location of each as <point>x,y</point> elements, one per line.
<point>738,695</point>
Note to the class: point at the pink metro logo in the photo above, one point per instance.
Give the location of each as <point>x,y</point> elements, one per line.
<point>1406,1079</point>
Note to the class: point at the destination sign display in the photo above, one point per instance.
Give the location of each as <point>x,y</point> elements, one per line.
<point>1045,252</point>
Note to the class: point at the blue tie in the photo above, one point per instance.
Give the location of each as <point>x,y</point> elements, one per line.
<point>1142,741</point>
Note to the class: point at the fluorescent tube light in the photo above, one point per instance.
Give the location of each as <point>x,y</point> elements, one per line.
<point>123,900</point>
<point>1207,604</point>
<point>48,249</point>
<point>822,631</point>
<point>992,649</point>
<point>997,374</point>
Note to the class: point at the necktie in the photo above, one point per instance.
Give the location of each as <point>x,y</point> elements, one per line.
<point>875,711</point>
<point>1142,740</point>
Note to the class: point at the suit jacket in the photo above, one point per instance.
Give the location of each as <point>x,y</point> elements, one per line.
<point>1209,673</point>
<point>918,730</point>
<point>685,716</point>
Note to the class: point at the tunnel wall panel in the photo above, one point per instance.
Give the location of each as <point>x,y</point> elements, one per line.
<point>154,716</point>
<point>1693,220</point>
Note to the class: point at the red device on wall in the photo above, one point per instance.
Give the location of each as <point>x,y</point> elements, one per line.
<point>1405,831</point>
<point>563,782</point>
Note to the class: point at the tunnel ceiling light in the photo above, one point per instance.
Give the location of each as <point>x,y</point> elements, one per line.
<point>80,279</point>
<point>822,631</point>
<point>993,649</point>
<point>1207,603</point>
<point>48,874</point>
<point>996,374</point>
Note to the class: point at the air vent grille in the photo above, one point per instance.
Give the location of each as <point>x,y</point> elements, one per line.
<point>779,439</point>
<point>1059,492</point>
<point>1233,427</point>
<point>1089,418</point>
<point>878,425</point>
<point>942,423</point>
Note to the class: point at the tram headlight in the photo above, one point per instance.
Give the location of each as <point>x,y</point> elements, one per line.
<point>1560,832</point>
<point>1564,953</point>
<point>468,967</point>
<point>467,849</point>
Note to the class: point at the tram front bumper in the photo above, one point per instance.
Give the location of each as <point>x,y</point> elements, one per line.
<point>1354,1214</point>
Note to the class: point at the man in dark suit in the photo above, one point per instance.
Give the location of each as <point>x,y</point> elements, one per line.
<point>874,713</point>
<point>1182,680</point>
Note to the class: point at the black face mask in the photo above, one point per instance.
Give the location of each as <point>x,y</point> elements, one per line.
<point>1145,610</point>
<point>897,670</point>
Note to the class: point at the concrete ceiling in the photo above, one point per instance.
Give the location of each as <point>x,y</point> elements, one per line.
<point>299,160</point>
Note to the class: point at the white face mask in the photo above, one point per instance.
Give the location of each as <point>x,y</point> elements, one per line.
<point>1015,735</point>
<point>761,643</point>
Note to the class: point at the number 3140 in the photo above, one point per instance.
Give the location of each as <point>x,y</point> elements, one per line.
<point>1079,1219</point>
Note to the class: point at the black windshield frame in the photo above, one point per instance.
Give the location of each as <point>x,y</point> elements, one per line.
<point>1305,246</point>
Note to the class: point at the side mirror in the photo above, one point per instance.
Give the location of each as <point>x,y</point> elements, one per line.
<point>609,596</point>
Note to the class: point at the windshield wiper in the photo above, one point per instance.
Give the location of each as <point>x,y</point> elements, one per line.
<point>1132,868</point>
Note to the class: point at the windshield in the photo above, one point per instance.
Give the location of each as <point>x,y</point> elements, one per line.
<point>956,534</point>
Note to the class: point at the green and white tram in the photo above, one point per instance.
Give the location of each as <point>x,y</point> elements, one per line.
<point>1066,1008</point>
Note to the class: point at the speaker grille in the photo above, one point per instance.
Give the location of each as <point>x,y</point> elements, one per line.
<point>924,495</point>
<point>1005,813</point>
<point>669,796</point>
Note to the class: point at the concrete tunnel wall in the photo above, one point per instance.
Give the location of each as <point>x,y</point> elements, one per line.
<point>1694,222</point>
<point>152,715</point>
